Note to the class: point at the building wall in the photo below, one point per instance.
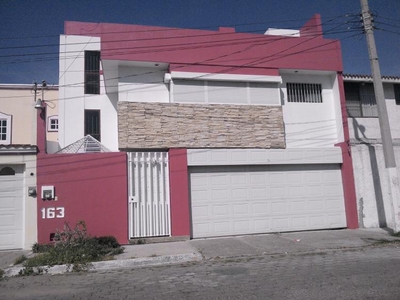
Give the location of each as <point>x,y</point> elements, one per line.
<point>371,179</point>
<point>142,84</point>
<point>88,187</point>
<point>73,100</point>
<point>17,100</point>
<point>309,125</point>
<point>172,125</point>
<point>368,128</point>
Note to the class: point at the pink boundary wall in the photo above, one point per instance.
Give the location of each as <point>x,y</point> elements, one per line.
<point>349,188</point>
<point>179,192</point>
<point>90,187</point>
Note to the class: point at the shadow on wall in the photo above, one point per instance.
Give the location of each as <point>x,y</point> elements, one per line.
<point>375,177</point>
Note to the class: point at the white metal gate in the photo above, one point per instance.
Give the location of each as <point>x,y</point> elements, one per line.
<point>148,203</point>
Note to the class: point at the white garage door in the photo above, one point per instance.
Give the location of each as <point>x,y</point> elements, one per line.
<point>11,207</point>
<point>257,199</point>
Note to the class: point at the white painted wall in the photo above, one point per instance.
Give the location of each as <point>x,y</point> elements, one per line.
<point>73,100</point>
<point>313,125</point>
<point>142,84</point>
<point>371,180</point>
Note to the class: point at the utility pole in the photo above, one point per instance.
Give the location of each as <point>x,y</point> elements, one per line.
<point>388,152</point>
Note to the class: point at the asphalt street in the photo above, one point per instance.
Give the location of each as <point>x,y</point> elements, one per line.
<point>367,273</point>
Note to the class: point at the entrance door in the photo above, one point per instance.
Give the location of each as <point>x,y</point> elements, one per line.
<point>148,203</point>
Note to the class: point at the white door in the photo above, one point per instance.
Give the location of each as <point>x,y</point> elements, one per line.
<point>148,203</point>
<point>235,200</point>
<point>11,207</point>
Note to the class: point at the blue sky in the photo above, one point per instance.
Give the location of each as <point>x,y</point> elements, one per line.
<point>29,30</point>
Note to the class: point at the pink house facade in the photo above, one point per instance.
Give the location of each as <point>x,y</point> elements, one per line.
<point>202,133</point>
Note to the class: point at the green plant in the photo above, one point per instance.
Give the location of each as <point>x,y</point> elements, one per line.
<point>20,259</point>
<point>40,248</point>
<point>73,247</point>
<point>108,241</point>
<point>32,271</point>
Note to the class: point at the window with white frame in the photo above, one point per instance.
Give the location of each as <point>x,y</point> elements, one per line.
<point>5,129</point>
<point>225,92</point>
<point>52,123</point>
<point>304,92</point>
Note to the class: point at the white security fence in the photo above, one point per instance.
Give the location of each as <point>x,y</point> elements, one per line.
<point>148,203</point>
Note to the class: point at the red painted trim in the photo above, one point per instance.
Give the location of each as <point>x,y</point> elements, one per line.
<point>349,188</point>
<point>41,131</point>
<point>313,27</point>
<point>179,192</point>
<point>234,52</point>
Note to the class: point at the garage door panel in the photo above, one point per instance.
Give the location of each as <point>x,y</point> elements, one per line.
<point>277,192</point>
<point>239,194</point>
<point>298,206</point>
<point>296,191</point>
<point>262,225</point>
<point>300,222</point>
<point>11,210</point>
<point>257,199</point>
<point>260,208</point>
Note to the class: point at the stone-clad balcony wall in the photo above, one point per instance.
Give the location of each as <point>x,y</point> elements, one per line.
<point>176,125</point>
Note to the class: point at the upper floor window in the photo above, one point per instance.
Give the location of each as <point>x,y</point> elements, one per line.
<point>5,129</point>
<point>304,92</point>
<point>92,123</point>
<point>92,72</point>
<point>360,99</point>
<point>52,124</point>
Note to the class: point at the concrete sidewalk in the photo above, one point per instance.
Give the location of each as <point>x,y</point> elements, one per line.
<point>228,247</point>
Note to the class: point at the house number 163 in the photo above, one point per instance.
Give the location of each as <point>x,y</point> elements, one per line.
<point>53,212</point>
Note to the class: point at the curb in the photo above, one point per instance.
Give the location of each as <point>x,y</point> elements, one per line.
<point>114,264</point>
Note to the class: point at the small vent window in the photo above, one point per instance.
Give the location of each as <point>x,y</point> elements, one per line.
<point>304,92</point>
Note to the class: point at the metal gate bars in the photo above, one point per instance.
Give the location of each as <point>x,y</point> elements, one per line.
<point>148,203</point>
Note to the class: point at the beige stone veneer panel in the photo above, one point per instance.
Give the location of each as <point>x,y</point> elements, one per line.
<point>176,125</point>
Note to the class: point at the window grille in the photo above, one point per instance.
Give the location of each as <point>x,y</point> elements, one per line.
<point>92,123</point>
<point>53,123</point>
<point>3,130</point>
<point>304,92</point>
<point>92,72</point>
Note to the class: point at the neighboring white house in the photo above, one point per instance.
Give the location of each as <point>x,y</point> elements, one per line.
<point>373,201</point>
<point>18,204</point>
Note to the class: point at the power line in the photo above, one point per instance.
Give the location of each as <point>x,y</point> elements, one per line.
<point>212,34</point>
<point>172,29</point>
<point>165,47</point>
<point>227,69</point>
